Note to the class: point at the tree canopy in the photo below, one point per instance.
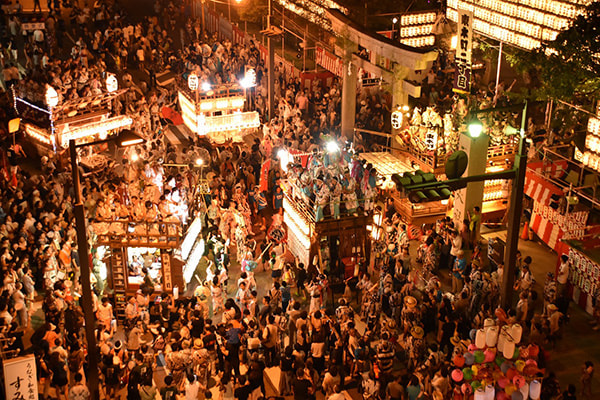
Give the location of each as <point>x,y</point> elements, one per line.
<point>567,68</point>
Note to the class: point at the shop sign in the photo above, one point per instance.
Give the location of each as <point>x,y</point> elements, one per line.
<point>583,272</point>
<point>330,62</point>
<point>572,224</point>
<point>20,378</point>
<point>464,46</point>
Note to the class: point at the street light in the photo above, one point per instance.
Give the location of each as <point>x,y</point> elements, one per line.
<point>123,139</point>
<point>475,127</point>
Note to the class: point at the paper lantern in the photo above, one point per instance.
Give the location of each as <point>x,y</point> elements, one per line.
<point>111,83</point>
<point>510,388</point>
<point>488,323</point>
<point>524,391</point>
<point>459,360</point>
<point>531,362</point>
<point>479,356</point>
<point>51,96</point>
<point>520,364</point>
<point>475,369</point>
<point>516,332</point>
<point>489,356</point>
<point>466,389</point>
<point>480,394</point>
<point>534,350</point>
<point>535,389</point>
<point>475,385</point>
<point>469,358</point>
<point>472,347</point>
<point>480,339</point>
<point>193,81</point>
<point>505,367</point>
<point>503,382</point>
<point>457,375</point>
<point>508,350</point>
<point>490,392</point>
<point>516,395</point>
<point>501,396</point>
<point>491,336</point>
<point>519,381</point>
<point>499,360</point>
<point>467,374</point>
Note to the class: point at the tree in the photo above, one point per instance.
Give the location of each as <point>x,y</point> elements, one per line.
<point>567,68</point>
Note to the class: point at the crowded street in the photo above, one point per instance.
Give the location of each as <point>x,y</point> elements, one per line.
<point>195,204</point>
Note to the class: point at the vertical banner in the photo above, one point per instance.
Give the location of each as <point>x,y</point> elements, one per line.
<point>264,176</point>
<point>20,378</point>
<point>464,47</point>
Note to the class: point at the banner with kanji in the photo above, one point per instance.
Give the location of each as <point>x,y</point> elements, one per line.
<point>264,176</point>
<point>464,47</point>
<point>330,62</point>
<point>20,378</point>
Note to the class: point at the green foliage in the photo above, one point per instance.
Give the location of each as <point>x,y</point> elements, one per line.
<point>567,68</point>
<point>252,11</point>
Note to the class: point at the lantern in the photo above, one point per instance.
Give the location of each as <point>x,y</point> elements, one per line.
<point>535,390</point>
<point>193,82</point>
<point>524,391</point>
<point>480,339</point>
<point>491,337</point>
<point>516,332</point>
<point>490,392</point>
<point>111,83</point>
<point>396,119</point>
<point>508,350</point>
<point>480,394</point>
<point>51,96</point>
<point>488,323</point>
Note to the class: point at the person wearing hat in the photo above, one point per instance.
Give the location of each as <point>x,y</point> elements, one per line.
<point>416,346</point>
<point>554,319</point>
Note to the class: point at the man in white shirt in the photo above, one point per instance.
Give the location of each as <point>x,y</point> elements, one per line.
<point>456,245</point>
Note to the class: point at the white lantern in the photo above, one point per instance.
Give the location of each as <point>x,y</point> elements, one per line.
<point>111,83</point>
<point>491,336</point>
<point>480,394</point>
<point>525,391</point>
<point>508,350</point>
<point>51,96</point>
<point>489,322</point>
<point>490,392</point>
<point>396,120</point>
<point>480,339</point>
<point>193,81</point>
<point>516,332</point>
<point>535,390</point>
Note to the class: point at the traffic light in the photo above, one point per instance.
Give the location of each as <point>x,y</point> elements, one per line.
<point>422,187</point>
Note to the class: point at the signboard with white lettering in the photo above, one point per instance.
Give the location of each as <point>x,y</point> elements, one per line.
<point>464,47</point>
<point>20,378</point>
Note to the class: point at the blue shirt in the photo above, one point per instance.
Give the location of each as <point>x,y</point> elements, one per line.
<point>460,264</point>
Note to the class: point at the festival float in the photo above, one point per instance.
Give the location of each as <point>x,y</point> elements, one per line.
<point>427,139</point>
<point>50,125</point>
<point>342,243</point>
<point>216,113</point>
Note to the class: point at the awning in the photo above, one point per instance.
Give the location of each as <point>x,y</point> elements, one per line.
<point>537,185</point>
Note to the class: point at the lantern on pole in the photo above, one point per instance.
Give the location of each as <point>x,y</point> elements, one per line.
<point>193,82</point>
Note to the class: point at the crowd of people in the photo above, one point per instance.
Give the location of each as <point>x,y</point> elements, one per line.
<point>394,334</point>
